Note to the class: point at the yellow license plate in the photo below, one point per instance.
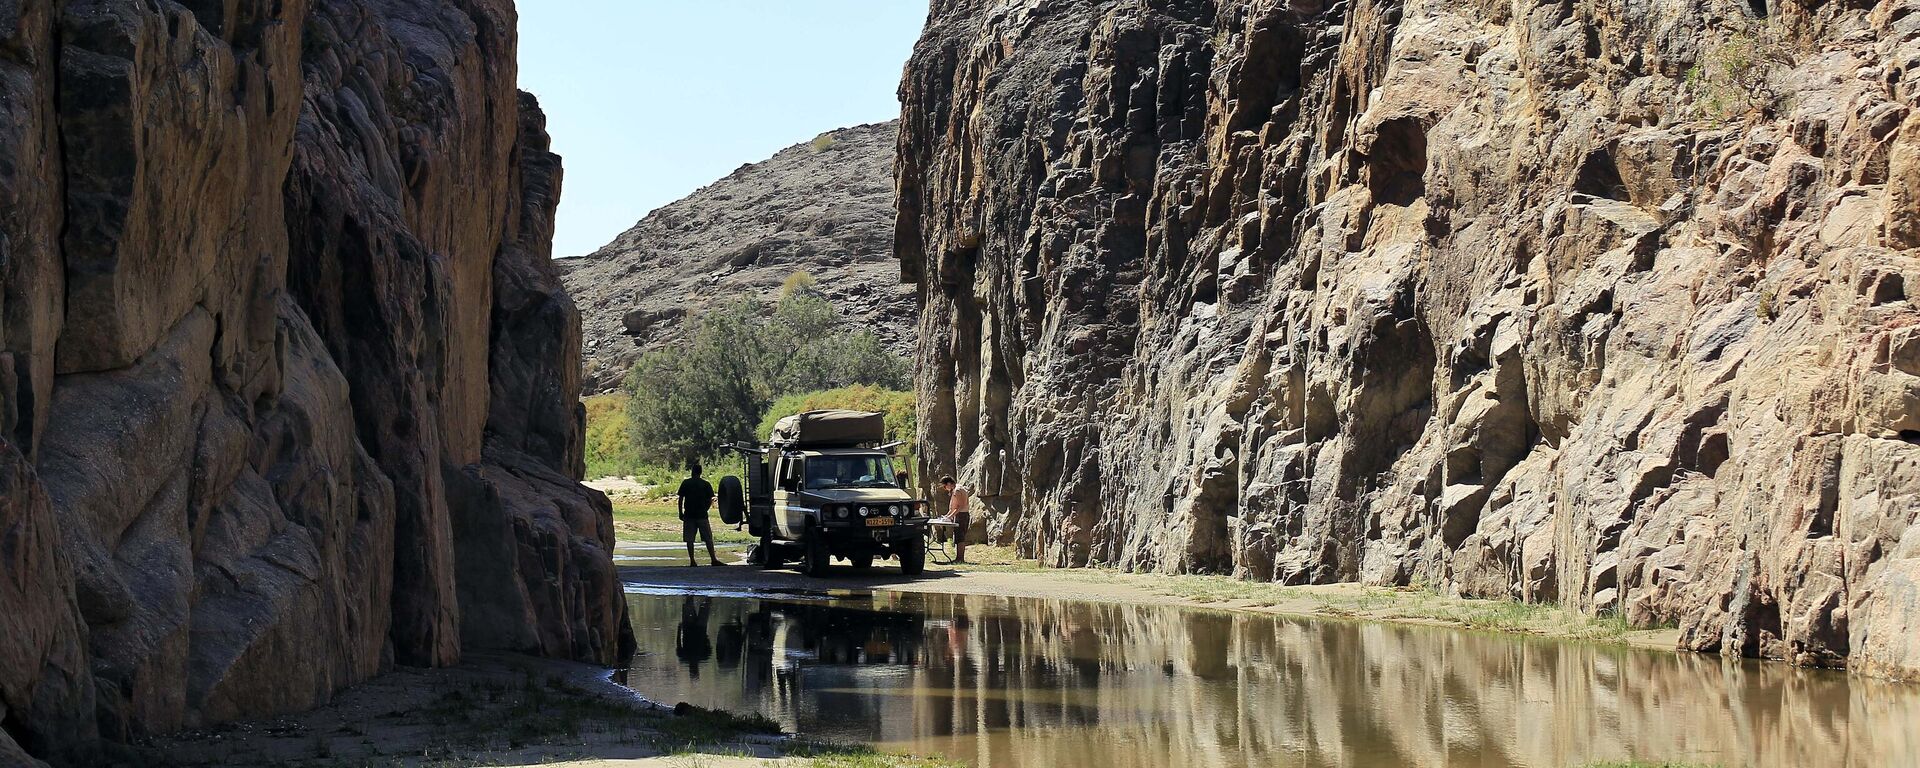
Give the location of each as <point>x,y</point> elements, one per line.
<point>879,522</point>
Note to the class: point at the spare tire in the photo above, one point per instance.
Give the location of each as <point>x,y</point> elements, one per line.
<point>733,501</point>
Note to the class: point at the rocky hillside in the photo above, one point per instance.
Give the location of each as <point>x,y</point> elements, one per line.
<point>824,207</point>
<point>288,385</point>
<point>1565,301</point>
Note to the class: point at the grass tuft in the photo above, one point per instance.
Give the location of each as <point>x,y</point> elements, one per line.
<point>830,755</point>
<point>1645,764</point>
<point>693,727</point>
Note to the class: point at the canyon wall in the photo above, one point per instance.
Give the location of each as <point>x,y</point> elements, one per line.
<point>1594,302</point>
<point>288,386</point>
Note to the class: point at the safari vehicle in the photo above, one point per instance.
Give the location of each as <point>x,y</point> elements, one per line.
<point>823,487</point>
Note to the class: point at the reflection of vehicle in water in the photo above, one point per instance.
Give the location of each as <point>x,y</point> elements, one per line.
<point>816,491</point>
<point>829,634</point>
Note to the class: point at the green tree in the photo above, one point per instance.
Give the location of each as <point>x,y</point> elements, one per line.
<point>686,401</point>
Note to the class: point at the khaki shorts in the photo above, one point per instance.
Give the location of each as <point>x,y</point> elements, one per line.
<point>701,525</point>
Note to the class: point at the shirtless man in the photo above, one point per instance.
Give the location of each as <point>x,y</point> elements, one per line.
<point>959,510</point>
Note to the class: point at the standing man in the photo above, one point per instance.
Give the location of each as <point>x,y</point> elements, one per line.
<point>696,496</point>
<point>959,509</point>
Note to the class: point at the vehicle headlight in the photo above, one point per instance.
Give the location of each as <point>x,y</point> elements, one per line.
<point>842,512</point>
<point>865,511</point>
<point>894,510</point>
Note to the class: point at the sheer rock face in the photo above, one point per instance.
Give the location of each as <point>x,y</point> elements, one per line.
<point>822,207</point>
<point>284,368</point>
<point>1465,294</point>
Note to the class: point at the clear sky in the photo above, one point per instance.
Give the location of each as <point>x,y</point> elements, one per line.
<point>648,100</point>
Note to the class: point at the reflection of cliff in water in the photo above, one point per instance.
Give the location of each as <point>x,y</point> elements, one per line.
<point>1028,682</point>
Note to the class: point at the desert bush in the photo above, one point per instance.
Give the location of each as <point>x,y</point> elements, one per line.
<point>1745,77</point>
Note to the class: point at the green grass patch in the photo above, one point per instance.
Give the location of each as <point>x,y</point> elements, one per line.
<point>1645,764</point>
<point>658,520</point>
<point>998,558</point>
<point>610,451</point>
<point>695,727</point>
<point>828,755</point>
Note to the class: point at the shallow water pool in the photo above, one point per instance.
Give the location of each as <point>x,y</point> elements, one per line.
<point>1027,682</point>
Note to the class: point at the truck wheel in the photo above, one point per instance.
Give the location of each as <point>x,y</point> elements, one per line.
<point>861,562</point>
<point>818,556</point>
<point>913,555</point>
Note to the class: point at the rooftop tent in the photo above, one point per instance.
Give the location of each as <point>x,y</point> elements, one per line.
<point>830,429</point>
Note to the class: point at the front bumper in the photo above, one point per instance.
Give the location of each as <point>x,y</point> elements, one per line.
<point>857,532</point>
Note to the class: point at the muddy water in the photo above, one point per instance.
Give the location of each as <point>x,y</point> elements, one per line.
<point>1023,682</point>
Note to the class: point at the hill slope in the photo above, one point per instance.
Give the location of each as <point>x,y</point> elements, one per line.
<point>824,207</point>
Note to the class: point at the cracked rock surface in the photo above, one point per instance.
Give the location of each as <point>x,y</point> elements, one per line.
<point>1488,296</point>
<point>288,385</point>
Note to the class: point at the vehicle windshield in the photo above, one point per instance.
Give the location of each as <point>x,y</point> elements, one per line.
<point>849,472</point>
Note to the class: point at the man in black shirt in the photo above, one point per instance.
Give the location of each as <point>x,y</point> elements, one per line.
<point>696,496</point>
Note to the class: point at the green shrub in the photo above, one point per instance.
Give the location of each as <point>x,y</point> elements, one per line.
<point>684,402</point>
<point>687,401</point>
<point>1743,77</point>
<point>801,281</point>
<point>823,142</point>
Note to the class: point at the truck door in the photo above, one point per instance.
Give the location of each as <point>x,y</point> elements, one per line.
<point>790,514</point>
<point>760,488</point>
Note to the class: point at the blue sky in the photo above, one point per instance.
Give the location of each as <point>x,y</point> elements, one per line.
<point>649,100</point>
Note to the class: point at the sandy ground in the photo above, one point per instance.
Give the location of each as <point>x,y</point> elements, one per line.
<point>620,487</point>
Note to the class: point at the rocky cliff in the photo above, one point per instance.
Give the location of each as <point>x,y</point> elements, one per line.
<point>288,385</point>
<point>1594,302</point>
<point>823,207</point>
